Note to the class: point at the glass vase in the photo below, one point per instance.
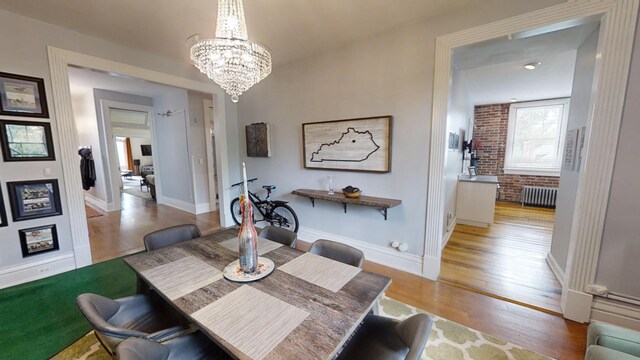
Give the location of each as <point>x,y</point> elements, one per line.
<point>248,240</point>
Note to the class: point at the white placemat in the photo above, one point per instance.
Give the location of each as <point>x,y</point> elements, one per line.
<point>321,271</point>
<point>264,245</point>
<point>181,277</point>
<point>250,320</point>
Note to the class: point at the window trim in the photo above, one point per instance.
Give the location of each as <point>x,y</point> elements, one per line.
<point>511,130</point>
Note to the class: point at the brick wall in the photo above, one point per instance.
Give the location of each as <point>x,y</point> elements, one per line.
<point>491,124</point>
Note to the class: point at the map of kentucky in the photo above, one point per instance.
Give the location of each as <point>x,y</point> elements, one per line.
<point>352,146</point>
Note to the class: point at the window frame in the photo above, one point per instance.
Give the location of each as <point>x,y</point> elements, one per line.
<point>511,170</point>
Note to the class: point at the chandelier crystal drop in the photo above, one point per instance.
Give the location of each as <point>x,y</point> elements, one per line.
<point>229,59</point>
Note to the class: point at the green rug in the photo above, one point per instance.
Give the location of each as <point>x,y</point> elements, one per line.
<point>40,318</point>
<point>448,340</point>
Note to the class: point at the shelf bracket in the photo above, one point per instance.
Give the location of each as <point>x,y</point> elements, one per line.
<point>384,213</point>
<point>344,206</point>
<point>313,202</point>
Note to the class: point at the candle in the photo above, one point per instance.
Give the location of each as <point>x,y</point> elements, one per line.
<point>244,178</point>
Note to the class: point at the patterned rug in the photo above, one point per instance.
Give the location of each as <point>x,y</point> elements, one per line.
<point>448,340</point>
<point>91,212</point>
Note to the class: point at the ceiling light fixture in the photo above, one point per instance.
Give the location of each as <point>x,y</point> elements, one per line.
<point>531,66</point>
<point>229,59</point>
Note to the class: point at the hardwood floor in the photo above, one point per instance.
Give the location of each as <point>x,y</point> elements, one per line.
<point>506,260</point>
<point>117,234</point>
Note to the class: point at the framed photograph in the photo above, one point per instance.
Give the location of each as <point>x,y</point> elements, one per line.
<point>570,147</point>
<point>22,96</point>
<point>26,141</point>
<point>473,171</point>
<point>3,212</point>
<point>34,199</point>
<point>258,143</point>
<point>353,144</point>
<point>38,240</point>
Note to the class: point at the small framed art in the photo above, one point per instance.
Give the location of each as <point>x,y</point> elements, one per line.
<point>38,240</point>
<point>34,199</point>
<point>26,141</point>
<point>473,171</point>
<point>22,96</point>
<point>3,212</point>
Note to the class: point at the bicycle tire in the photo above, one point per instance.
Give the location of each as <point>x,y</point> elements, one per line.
<point>287,219</point>
<point>236,212</point>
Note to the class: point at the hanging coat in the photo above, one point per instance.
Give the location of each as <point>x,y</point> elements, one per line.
<point>87,169</point>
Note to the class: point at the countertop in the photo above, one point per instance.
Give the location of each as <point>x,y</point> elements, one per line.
<point>479,179</point>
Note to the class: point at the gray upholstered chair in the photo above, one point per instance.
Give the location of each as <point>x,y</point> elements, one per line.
<point>143,316</point>
<point>194,346</point>
<point>279,235</point>
<point>384,338</point>
<point>609,342</point>
<point>171,235</point>
<point>338,252</point>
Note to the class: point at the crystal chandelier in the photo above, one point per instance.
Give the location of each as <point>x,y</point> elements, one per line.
<point>229,59</point>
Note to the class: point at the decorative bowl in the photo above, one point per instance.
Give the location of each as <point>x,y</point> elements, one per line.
<point>351,192</point>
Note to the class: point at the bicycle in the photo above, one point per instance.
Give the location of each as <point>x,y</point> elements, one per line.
<point>275,212</point>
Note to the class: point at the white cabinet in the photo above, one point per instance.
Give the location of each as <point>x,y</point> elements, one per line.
<point>476,200</point>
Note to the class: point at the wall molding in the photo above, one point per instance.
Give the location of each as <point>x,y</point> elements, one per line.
<point>203,208</point>
<point>555,268</point>
<point>450,229</point>
<point>615,312</point>
<point>99,203</point>
<point>617,29</point>
<point>179,204</point>
<point>18,274</point>
<point>379,254</point>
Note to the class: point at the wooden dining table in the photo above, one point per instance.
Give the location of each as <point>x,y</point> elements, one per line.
<point>307,308</point>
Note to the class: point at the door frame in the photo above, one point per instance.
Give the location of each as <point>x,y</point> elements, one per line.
<point>617,30</point>
<point>209,132</point>
<point>59,62</point>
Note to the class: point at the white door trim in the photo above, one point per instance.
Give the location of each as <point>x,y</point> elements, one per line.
<point>59,60</point>
<point>208,133</point>
<point>618,18</point>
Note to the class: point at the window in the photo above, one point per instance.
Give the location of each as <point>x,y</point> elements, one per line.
<point>535,137</point>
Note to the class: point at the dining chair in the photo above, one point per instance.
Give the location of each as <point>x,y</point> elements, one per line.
<point>338,252</point>
<point>143,316</point>
<point>279,235</point>
<point>381,338</point>
<point>195,346</point>
<point>170,236</point>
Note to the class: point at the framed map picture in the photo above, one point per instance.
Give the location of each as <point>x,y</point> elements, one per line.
<point>26,141</point>
<point>38,240</point>
<point>22,96</point>
<point>34,199</point>
<point>354,144</point>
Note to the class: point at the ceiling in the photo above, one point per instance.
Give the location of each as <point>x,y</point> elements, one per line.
<point>292,29</point>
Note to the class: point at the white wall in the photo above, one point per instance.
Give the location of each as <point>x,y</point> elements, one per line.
<point>578,113</point>
<point>136,151</point>
<point>458,116</point>
<point>197,146</point>
<point>391,73</point>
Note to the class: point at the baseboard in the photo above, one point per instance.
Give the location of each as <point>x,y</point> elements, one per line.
<point>576,305</point>
<point>555,268</point>
<point>203,208</point>
<point>450,229</point>
<point>616,313</point>
<point>19,274</point>
<point>96,202</point>
<point>431,267</point>
<point>379,254</point>
<point>473,223</point>
<point>179,204</point>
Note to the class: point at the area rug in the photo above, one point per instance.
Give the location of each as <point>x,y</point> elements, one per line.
<point>448,340</point>
<point>91,212</point>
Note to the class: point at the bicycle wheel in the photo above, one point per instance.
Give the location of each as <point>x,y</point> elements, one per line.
<point>282,215</point>
<point>236,211</point>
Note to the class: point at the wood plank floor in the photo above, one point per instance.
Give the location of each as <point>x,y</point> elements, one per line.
<point>506,260</point>
<point>119,233</point>
<point>548,334</point>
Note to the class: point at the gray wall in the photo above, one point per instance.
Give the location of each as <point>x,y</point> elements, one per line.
<point>391,73</point>
<point>578,113</point>
<point>618,265</point>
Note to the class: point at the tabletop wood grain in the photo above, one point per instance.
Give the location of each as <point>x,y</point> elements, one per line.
<point>333,316</point>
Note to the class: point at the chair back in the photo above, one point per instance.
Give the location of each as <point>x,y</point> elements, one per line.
<point>170,236</point>
<point>141,349</point>
<point>338,252</point>
<point>279,235</point>
<point>414,332</point>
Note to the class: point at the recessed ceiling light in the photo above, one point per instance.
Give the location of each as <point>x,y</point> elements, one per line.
<point>513,99</point>
<point>531,66</point>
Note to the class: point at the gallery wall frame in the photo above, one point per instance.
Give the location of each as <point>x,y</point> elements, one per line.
<point>258,140</point>
<point>34,199</point>
<point>3,212</point>
<point>362,144</point>
<point>22,95</point>
<point>38,240</point>
<point>26,141</point>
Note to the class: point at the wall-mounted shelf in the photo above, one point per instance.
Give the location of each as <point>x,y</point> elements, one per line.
<point>381,204</point>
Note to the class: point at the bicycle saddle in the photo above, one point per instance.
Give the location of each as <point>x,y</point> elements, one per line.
<point>269,187</point>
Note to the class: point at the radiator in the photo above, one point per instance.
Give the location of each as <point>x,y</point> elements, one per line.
<point>540,196</point>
